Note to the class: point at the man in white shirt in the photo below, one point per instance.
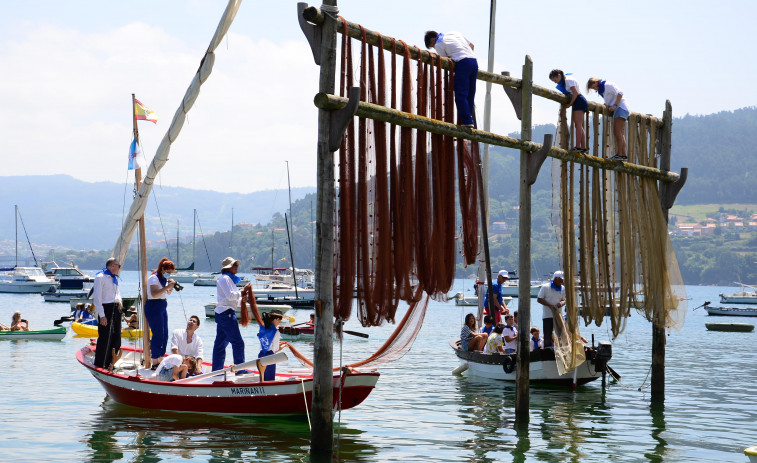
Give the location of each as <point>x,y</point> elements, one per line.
<point>455,46</point>
<point>107,299</point>
<point>552,298</point>
<point>227,326</point>
<point>187,343</point>
<point>510,333</point>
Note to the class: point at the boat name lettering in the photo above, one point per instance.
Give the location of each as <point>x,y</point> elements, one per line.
<point>247,390</point>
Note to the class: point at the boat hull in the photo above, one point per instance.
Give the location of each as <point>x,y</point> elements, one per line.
<point>739,298</point>
<point>90,331</point>
<point>732,311</point>
<point>733,327</point>
<point>25,288</point>
<point>54,334</point>
<point>290,394</point>
<point>63,297</point>
<point>542,367</point>
<point>210,310</point>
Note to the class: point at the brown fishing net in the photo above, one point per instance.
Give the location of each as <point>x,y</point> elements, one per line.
<point>395,224</point>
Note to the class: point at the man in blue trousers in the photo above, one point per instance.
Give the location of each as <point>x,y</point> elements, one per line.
<point>227,326</point>
<point>455,46</point>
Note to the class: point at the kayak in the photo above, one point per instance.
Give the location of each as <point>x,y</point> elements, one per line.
<point>54,334</point>
<point>90,331</point>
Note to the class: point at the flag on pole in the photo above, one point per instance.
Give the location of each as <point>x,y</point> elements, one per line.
<point>136,160</point>
<point>141,113</point>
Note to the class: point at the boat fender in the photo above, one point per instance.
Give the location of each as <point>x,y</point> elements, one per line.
<point>509,364</point>
<point>460,369</point>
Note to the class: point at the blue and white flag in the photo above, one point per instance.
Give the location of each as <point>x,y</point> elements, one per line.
<point>136,160</point>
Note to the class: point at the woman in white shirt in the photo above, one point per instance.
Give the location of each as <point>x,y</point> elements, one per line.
<point>615,102</point>
<point>158,286</point>
<point>569,86</point>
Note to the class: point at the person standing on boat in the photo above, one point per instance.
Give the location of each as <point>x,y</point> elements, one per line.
<point>188,343</point>
<point>616,103</point>
<point>569,86</point>
<point>107,298</point>
<point>499,305</point>
<point>158,287</point>
<point>552,298</point>
<point>270,338</point>
<point>227,326</point>
<point>455,46</point>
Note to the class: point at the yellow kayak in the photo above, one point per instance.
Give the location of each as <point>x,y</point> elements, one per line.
<point>90,331</point>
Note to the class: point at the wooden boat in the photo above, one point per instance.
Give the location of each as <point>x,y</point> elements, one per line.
<point>733,311</point>
<point>543,367</point>
<point>53,334</point>
<point>735,327</point>
<point>222,392</point>
<point>90,331</point>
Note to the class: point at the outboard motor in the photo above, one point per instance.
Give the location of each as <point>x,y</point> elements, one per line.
<point>604,354</point>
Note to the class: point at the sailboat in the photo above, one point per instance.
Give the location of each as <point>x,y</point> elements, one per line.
<point>231,390</point>
<point>24,279</point>
<point>187,274</point>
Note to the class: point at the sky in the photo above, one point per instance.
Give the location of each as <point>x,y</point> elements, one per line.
<point>69,69</point>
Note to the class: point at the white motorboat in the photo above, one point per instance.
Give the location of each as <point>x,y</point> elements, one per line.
<point>463,300</point>
<point>25,280</point>
<point>745,296</point>
<point>212,280</point>
<point>68,277</point>
<point>274,290</point>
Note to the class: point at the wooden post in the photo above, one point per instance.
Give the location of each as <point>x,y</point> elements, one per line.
<point>142,249</point>
<point>488,104</point>
<point>658,327</point>
<point>524,253</point>
<point>322,433</point>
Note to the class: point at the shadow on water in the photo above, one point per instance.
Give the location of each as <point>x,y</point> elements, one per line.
<point>563,425</point>
<point>121,432</point>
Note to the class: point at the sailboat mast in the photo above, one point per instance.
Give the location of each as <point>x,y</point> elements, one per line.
<point>177,243</point>
<point>194,235</point>
<point>273,244</point>
<point>231,232</point>
<point>142,246</point>
<point>15,216</point>
<point>291,256</point>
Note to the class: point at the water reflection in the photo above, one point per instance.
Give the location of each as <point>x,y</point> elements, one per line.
<point>119,432</point>
<point>561,423</point>
<point>657,411</point>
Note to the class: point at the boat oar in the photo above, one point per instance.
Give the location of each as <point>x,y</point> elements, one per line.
<point>705,303</point>
<point>265,361</point>
<point>355,333</point>
<point>67,318</point>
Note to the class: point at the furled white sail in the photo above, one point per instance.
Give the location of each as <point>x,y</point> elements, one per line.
<point>139,205</point>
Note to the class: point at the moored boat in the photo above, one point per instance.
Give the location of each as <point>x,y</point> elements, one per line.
<point>25,280</point>
<point>223,392</point>
<point>68,277</point>
<point>53,334</point>
<point>211,307</point>
<point>542,365</point>
<point>733,311</point>
<point>90,331</point>
<point>62,296</point>
<point>744,296</point>
<point>734,327</point>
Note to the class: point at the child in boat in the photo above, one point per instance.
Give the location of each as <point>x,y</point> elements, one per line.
<point>174,367</point>
<point>496,343</point>
<point>510,333</point>
<point>270,340</point>
<point>18,323</point>
<point>488,325</point>
<point>536,341</point>
<point>83,312</point>
<point>133,320</point>
<point>311,322</point>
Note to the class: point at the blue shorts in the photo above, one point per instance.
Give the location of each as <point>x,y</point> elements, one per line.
<point>620,113</point>
<point>166,374</point>
<point>580,104</point>
<point>464,345</point>
<point>509,351</point>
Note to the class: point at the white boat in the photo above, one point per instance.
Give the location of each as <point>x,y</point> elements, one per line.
<point>510,288</point>
<point>274,290</point>
<point>222,392</point>
<point>25,280</point>
<point>744,296</point>
<point>212,280</point>
<point>63,296</point>
<point>463,300</point>
<point>542,366</point>
<point>188,274</point>
<point>210,310</point>
<point>68,277</point>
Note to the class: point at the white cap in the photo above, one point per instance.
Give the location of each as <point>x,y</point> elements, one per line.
<point>503,273</point>
<point>558,274</point>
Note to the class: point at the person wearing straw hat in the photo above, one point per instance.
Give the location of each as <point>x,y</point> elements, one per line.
<point>227,326</point>
<point>552,298</point>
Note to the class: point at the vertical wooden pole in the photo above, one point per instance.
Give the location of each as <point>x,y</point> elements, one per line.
<point>488,102</point>
<point>658,329</point>
<point>142,249</point>
<point>524,252</point>
<point>322,434</point>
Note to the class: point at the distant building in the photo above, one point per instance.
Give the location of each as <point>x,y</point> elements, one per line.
<point>499,226</point>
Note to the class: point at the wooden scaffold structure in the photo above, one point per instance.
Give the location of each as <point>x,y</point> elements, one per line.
<point>632,203</point>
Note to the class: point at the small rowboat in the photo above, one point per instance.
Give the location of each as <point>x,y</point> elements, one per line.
<point>297,332</point>
<point>54,334</point>
<point>90,331</point>
<point>737,327</point>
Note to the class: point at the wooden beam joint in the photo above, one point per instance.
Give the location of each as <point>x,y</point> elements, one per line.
<point>515,95</point>
<point>537,158</point>
<point>311,29</point>
<point>341,118</point>
<point>669,191</point>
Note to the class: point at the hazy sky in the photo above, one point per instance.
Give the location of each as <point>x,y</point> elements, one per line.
<point>69,68</point>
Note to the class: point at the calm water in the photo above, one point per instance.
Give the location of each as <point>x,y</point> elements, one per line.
<point>53,410</point>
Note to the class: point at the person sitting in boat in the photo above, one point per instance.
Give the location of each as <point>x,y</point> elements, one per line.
<point>186,342</point>
<point>311,322</point>
<point>536,341</point>
<point>488,325</point>
<point>496,343</point>
<point>469,338</point>
<point>18,323</point>
<point>510,333</point>
<point>174,367</point>
<point>133,320</point>
<point>500,307</point>
<point>83,312</point>
<point>515,319</point>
